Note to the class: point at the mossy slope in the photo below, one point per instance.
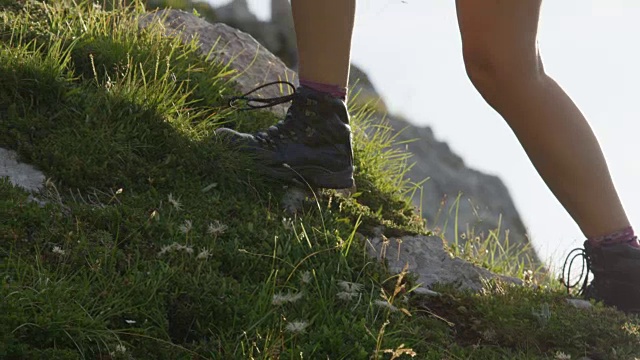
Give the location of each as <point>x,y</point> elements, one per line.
<point>159,242</point>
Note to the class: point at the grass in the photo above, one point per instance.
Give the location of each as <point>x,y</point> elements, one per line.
<point>157,241</point>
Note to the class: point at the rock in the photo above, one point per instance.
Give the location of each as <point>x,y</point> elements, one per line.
<point>237,10</point>
<point>277,35</point>
<point>424,291</point>
<point>253,63</point>
<point>485,203</point>
<point>362,90</point>
<point>281,13</point>
<point>580,304</point>
<point>427,258</point>
<point>20,174</point>
<point>293,200</point>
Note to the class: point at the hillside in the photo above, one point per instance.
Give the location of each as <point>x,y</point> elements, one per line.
<point>153,239</point>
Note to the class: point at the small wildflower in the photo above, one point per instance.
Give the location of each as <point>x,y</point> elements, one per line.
<point>562,356</point>
<point>350,286</point>
<point>186,227</point>
<point>489,334</point>
<point>305,277</point>
<point>296,327</point>
<point>130,322</point>
<point>175,247</point>
<point>216,228</point>
<point>203,255</point>
<point>287,223</point>
<point>120,349</point>
<point>386,304</point>
<point>343,295</point>
<point>279,299</point>
<point>174,202</point>
<point>58,250</point>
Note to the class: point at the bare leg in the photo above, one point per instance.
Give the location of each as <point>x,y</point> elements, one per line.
<point>502,60</point>
<point>323,31</point>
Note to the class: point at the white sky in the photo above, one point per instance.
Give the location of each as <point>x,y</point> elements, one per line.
<point>411,51</point>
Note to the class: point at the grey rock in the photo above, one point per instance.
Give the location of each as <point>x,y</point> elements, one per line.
<point>579,303</point>
<point>254,65</point>
<point>293,200</point>
<point>277,35</point>
<point>281,12</point>
<point>426,257</point>
<point>484,205</point>
<point>362,90</point>
<point>236,9</point>
<point>20,174</point>
<point>424,291</point>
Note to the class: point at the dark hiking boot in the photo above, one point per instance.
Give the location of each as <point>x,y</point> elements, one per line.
<point>616,275</point>
<point>312,143</point>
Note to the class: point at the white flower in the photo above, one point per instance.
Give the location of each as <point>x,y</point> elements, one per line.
<point>296,327</point>
<point>350,287</point>
<point>186,227</point>
<point>216,228</point>
<point>119,349</point>
<point>287,223</point>
<point>279,299</point>
<point>562,356</point>
<point>175,203</point>
<point>175,247</point>
<point>130,322</point>
<point>305,277</point>
<point>489,334</point>
<point>386,304</point>
<point>58,250</point>
<point>343,295</point>
<point>204,254</point>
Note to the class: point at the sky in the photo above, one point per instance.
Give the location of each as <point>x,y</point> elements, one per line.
<point>411,51</point>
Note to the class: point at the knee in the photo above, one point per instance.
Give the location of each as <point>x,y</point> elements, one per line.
<point>498,75</point>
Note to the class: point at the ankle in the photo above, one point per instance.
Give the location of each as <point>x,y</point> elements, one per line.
<point>331,89</point>
<point>621,236</point>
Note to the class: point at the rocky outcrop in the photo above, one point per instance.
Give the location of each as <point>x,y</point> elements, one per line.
<point>426,257</point>
<point>254,65</point>
<point>238,10</point>
<point>277,36</point>
<point>18,173</point>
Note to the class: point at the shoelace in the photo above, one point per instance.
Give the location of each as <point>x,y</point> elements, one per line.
<point>575,254</point>
<point>249,101</point>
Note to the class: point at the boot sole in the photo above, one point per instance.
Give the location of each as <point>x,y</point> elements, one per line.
<point>314,176</point>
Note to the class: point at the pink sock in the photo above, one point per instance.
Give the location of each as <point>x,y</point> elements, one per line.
<point>333,90</point>
<point>625,235</point>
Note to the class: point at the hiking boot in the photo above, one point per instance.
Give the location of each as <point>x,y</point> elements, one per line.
<point>616,275</point>
<point>312,143</point>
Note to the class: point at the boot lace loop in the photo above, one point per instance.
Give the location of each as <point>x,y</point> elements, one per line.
<point>577,254</point>
<point>252,102</point>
